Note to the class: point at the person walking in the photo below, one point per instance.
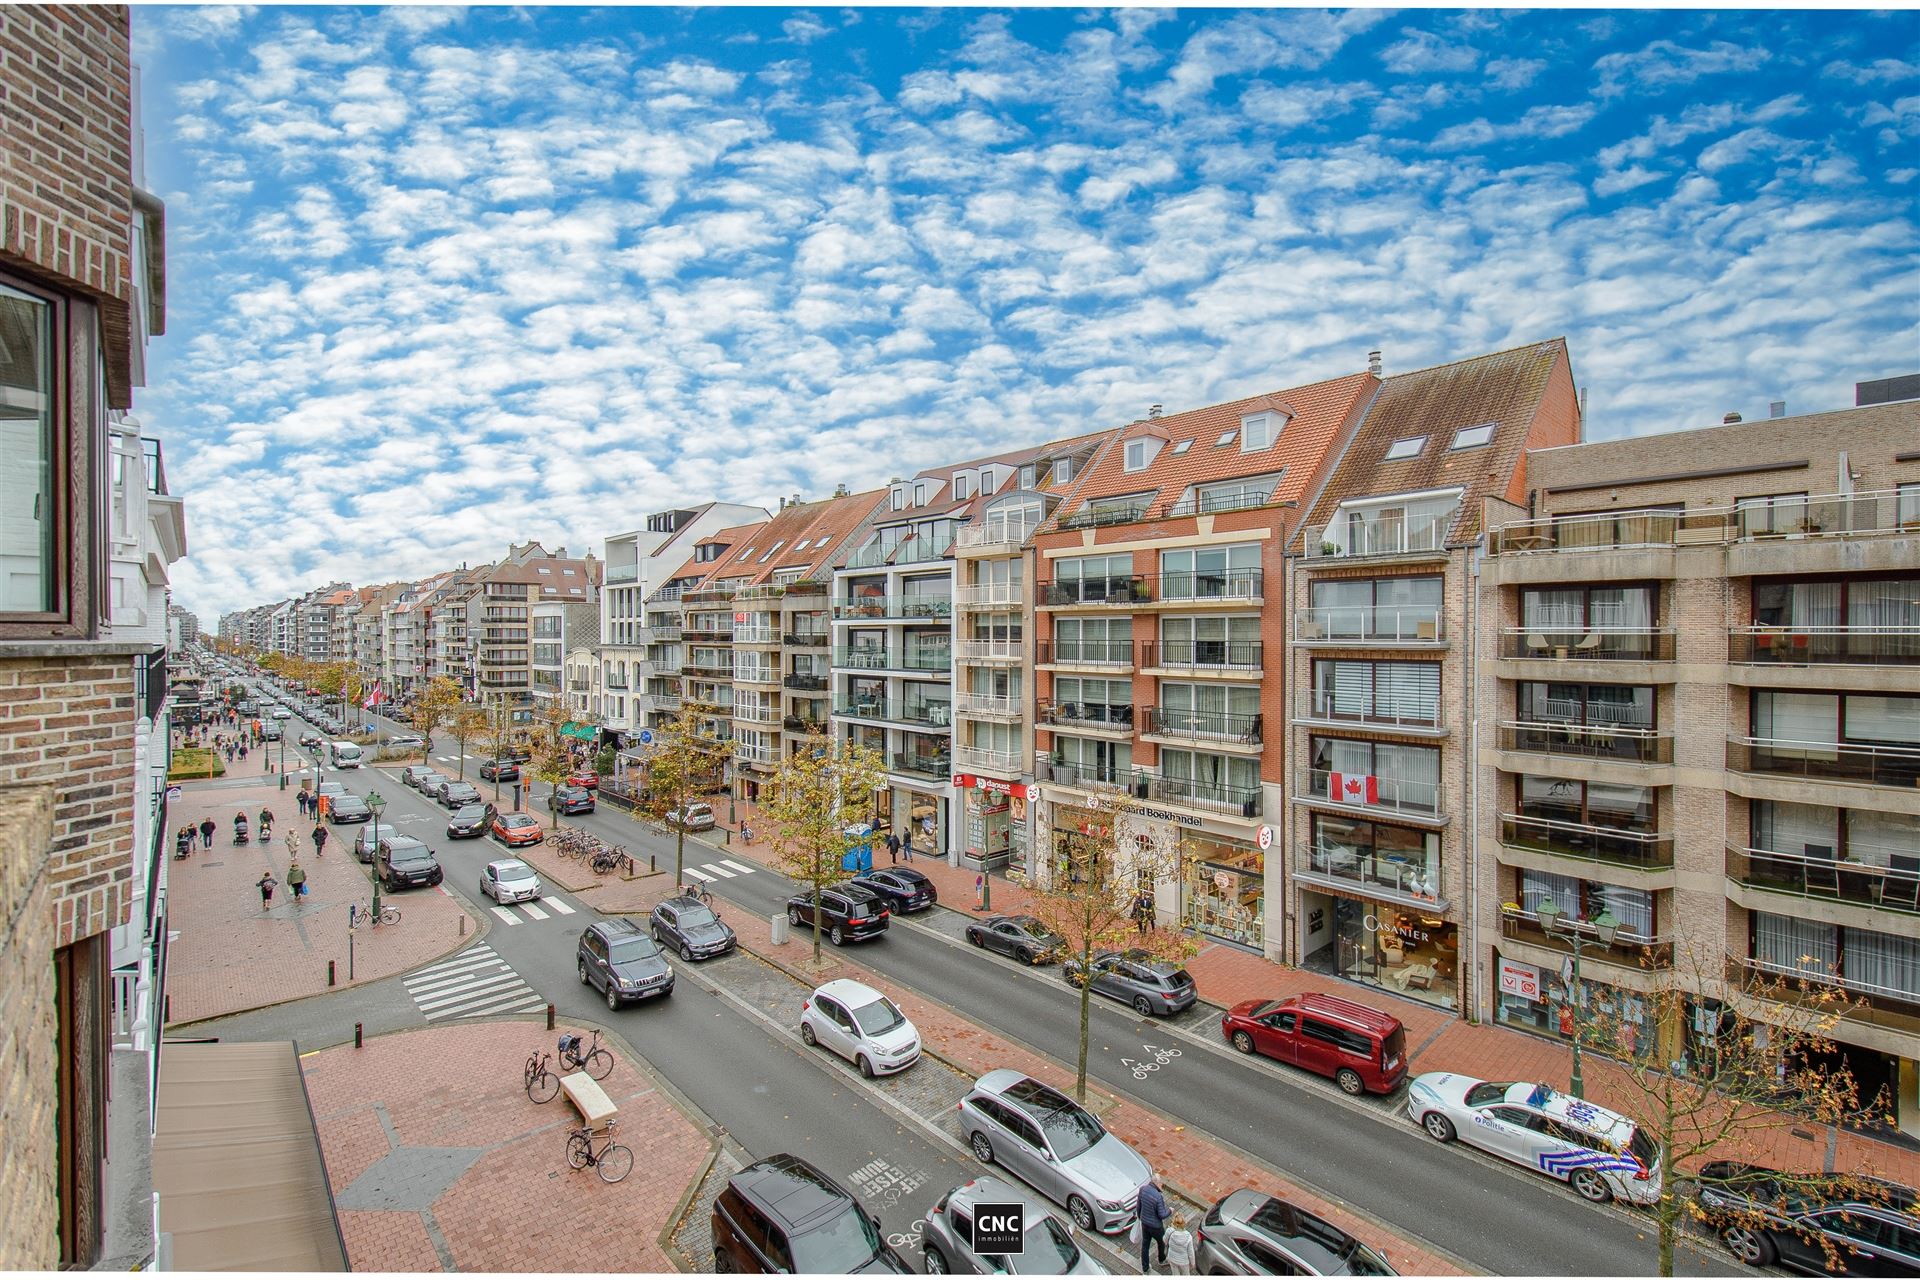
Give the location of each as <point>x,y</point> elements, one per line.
<point>319,841</point>
<point>296,881</point>
<point>1180,1247</point>
<point>207,827</point>
<point>893,848</point>
<point>266,823</point>
<point>1143,912</point>
<point>1152,1208</point>
<point>183,841</point>
<point>906,846</point>
<point>266,883</point>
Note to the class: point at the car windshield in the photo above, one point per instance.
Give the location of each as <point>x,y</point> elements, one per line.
<point>839,1247</point>
<point>1179,978</point>
<point>1365,1262</point>
<point>408,853</point>
<point>516,820</point>
<point>879,1017</point>
<point>628,950</point>
<point>467,812</point>
<point>697,918</point>
<point>516,871</point>
<point>1488,1092</point>
<point>1069,1129</point>
<point>1644,1149</point>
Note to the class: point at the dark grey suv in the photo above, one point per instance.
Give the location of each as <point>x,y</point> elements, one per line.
<point>618,958</point>
<point>782,1215</point>
<point>404,863</point>
<point>689,926</point>
<point>847,912</point>
<point>1250,1233</point>
<point>1151,985</point>
<point>1849,1226</point>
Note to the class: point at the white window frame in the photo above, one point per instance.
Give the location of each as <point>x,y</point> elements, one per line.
<point>1135,458</point>
<point>1261,431</point>
<point>1483,436</point>
<point>1408,447</point>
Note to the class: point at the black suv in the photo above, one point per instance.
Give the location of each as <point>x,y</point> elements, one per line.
<point>782,1215</point>
<point>570,800</point>
<point>455,794</point>
<point>620,959</point>
<point>469,821</point>
<point>404,862</point>
<point>500,771</point>
<point>689,926</point>
<point>905,889</point>
<point>846,911</point>
<point>1869,1227</point>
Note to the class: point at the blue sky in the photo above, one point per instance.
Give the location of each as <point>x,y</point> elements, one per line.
<point>442,278</point>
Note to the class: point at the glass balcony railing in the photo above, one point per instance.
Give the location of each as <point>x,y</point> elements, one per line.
<point>1588,742</point>
<point>1227,584</point>
<point>1086,715</point>
<point>805,680</point>
<point>1809,646</point>
<point>1370,624</point>
<point>990,594</point>
<point>1381,537</point>
<point>1177,722</point>
<point>1115,653</point>
<point>1627,948</point>
<point>1372,870</point>
<point>922,766</point>
<point>995,534</point>
<point>1647,850</point>
<point>1877,878</point>
<point>1117,590</point>
<point>1888,765</point>
<point>618,573</point>
<point>1389,795</point>
<point>805,639</point>
<point>1333,708</point>
<point>937,715</point>
<point>1876,513</point>
<point>1611,531</point>
<point>877,658</point>
<point>1608,644</point>
<point>1099,517</point>
<point>894,607</point>
<point>1235,499</point>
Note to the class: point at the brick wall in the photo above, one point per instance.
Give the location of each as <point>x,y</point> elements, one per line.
<point>28,1204</point>
<point>66,191</point>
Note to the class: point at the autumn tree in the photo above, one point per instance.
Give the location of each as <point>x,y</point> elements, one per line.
<point>496,737</point>
<point>814,800</point>
<point>685,756</point>
<point>468,723</point>
<point>552,749</point>
<point>1088,890</point>
<point>439,699</point>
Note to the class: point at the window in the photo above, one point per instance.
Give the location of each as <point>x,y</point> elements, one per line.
<point>1587,899</point>
<point>1136,459</point>
<point>1609,706</point>
<point>1771,514</point>
<point>1259,431</point>
<point>1098,701</point>
<point>1029,474</point>
<point>1210,642</point>
<point>1210,572</point>
<point>1612,805</point>
<point>962,486</point>
<point>1406,777</point>
<point>1182,447</point>
<point>1908,512</point>
<point>542,569</point>
<point>1378,608</point>
<point>1062,470</point>
<point>1473,437</point>
<point>1408,448</point>
<point>1400,858</point>
<point>922,492</point>
<point>1390,692</point>
<point>1226,437</point>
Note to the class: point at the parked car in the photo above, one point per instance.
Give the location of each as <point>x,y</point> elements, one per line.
<point>1602,1153</point>
<point>905,889</point>
<point>781,1214</point>
<point>619,959</point>
<point>1151,985</point>
<point>699,817</point>
<point>583,778</point>
<point>331,790</point>
<point>516,829</point>
<point>413,773</point>
<point>272,732</point>
<point>847,911</point>
<point>1810,1223</point>
<point>404,862</point>
<point>1050,1249</point>
<point>1056,1146</point>
<point>1362,1049</point>
<point>455,794</point>
<point>308,738</point>
<point>517,754</point>
<point>500,771</point>
<point>861,1025</point>
<point>404,741</point>
<point>282,713</point>
<point>692,928</point>
<point>469,821</point>
<point>367,843</point>
<point>1250,1233</point>
<point>510,880</point>
<point>343,809</point>
<point>429,783</point>
<point>570,800</point>
<point>1022,937</point>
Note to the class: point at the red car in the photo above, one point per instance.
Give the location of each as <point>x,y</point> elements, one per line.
<point>515,829</point>
<point>1363,1049</point>
<point>583,778</point>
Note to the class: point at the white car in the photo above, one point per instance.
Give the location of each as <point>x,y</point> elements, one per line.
<point>282,713</point>
<point>510,880</point>
<point>861,1025</point>
<point>1601,1153</point>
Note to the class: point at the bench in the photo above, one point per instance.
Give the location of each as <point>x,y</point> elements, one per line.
<point>588,1098</point>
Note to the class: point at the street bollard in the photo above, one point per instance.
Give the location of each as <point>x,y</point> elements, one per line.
<point>166,1012</point>
<point>330,965</point>
<point>463,924</point>
<point>549,1017</point>
<point>358,1036</point>
<point>653,863</point>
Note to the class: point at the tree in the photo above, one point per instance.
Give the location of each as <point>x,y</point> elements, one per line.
<point>468,723</point>
<point>1087,890</point>
<point>552,749</point>
<point>435,706</point>
<point>685,752</point>
<point>819,789</point>
<point>497,738</point>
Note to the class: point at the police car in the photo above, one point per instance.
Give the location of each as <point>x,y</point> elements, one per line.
<point>1601,1153</point>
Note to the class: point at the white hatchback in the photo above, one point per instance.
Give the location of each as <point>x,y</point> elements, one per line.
<point>861,1025</point>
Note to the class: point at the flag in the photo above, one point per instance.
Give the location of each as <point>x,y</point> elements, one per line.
<point>1353,788</point>
<point>374,696</point>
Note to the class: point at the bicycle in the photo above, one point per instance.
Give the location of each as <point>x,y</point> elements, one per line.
<point>613,860</point>
<point>613,1161</point>
<point>357,916</point>
<point>541,1084</point>
<point>590,1057</point>
<point>700,891</point>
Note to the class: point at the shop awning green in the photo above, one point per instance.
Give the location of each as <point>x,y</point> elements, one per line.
<point>585,732</point>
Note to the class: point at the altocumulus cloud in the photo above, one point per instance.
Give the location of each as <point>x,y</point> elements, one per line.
<point>441,278</point>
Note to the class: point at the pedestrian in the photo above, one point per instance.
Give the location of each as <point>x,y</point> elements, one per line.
<point>207,827</point>
<point>980,892</point>
<point>319,841</point>
<point>1180,1247</point>
<point>1152,1208</point>
<point>266,883</point>
<point>296,880</point>
<point>266,823</point>
<point>893,848</point>
<point>906,846</point>
<point>183,842</point>
<point>243,751</point>
<point>300,801</point>
<point>1143,912</point>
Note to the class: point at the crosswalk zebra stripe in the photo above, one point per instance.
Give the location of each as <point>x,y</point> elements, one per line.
<point>517,1003</point>
<point>448,981</point>
<point>700,875</point>
<point>743,870</point>
<point>469,959</point>
<point>558,904</point>
<point>506,915</point>
<point>533,911</point>
<point>454,995</point>
<point>719,870</point>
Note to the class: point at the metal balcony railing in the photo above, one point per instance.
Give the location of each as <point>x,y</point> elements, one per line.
<point>804,639</point>
<point>756,714</point>
<point>1199,654</point>
<point>1870,877</point>
<point>1627,948</point>
<point>1611,644</point>
<point>801,724</point>
<point>1125,589</point>
<point>989,760</point>
<point>1647,850</point>
<point>1379,538</point>
<point>995,534</point>
<point>1322,704</point>
<point>1877,513</point>
<point>1587,741</point>
<point>1086,715</point>
<point>1370,624</point>
<point>664,595</point>
<point>987,650</point>
<point>875,658</point>
<point>893,607</point>
<point>1088,653</point>
<point>1206,503</point>
<point>1197,793</point>
<point>747,633</point>
<point>1880,766</point>
<point>992,706</point>
<point>1808,646</point>
<point>1394,795</point>
<point>1099,517</point>
<point>754,753</point>
<point>1177,722</point>
<point>1226,584</point>
<point>922,766</point>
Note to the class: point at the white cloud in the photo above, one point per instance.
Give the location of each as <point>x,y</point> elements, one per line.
<point>1419,53</point>
<point>1543,121</point>
<point>1665,64</point>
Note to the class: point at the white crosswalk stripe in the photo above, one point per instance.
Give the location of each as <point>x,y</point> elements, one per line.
<point>506,915</point>
<point>558,905</point>
<point>721,871</point>
<point>477,981</point>
<point>740,867</point>
<point>533,911</point>
<point>700,875</point>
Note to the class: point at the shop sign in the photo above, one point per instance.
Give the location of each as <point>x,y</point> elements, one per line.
<point>1164,815</point>
<point>1406,931</point>
<point>964,781</point>
<point>1517,979</point>
<point>1264,836</point>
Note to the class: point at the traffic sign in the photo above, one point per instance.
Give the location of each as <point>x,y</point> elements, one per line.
<point>646,737</point>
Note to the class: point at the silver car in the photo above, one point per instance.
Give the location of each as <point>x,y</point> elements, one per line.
<point>1050,1247</point>
<point>1056,1146</point>
<point>1250,1233</point>
<point>510,880</point>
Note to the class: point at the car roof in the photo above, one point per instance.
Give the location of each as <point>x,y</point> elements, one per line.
<point>518,819</point>
<point>1309,1237</point>
<point>621,928</point>
<point>507,864</point>
<point>1340,1009</point>
<point>1575,1113</point>
<point>402,842</point>
<point>790,1189</point>
<point>855,995</point>
<point>993,1189</point>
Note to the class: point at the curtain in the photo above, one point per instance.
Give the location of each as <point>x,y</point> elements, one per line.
<point>1337,755</point>
<point>1882,718</point>
<point>1797,717</point>
<point>1815,604</point>
<point>1885,961</point>
<point>1781,827</point>
<point>1409,690</point>
<point>1539,886</point>
<point>1410,775</point>
<point>1633,908</point>
<point>1796,946</point>
<point>1621,608</point>
<point>1349,685</point>
<point>1553,610</point>
<point>1875,837</point>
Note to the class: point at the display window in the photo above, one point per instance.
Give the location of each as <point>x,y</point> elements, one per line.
<point>1224,893</point>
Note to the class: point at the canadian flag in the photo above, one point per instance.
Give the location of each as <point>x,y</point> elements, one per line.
<point>1353,788</point>
<point>375,696</point>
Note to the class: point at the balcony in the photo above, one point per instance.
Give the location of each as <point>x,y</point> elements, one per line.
<point>1323,707</point>
<point>1200,657</point>
<point>1100,517</point>
<point>804,639</point>
<point>1419,537</point>
<point>801,724</point>
<point>1404,881</point>
<point>1089,777</point>
<point>756,714</point>
<point>1203,726</point>
<point>615,684</point>
<point>1004,764</point>
<point>1610,531</point>
<point>756,753</point>
<point>1196,793</point>
<point>709,668</point>
<point>1584,842</point>
<point>756,675</point>
<point>922,766</point>
<point>990,595</point>
<point>889,607</point>
<point>1890,886</point>
<point>1412,799</point>
<point>708,635</point>
<point>1889,766</point>
<point>875,658</point>
<point>1072,593</point>
<point>664,701</point>
<point>1866,1003</point>
<point>936,715</point>
<point>750,634</point>
<point>872,555</point>
<point>804,680</point>
<point>619,573</point>
<point>1237,586</point>
<point>1112,654</point>
<point>1088,717</point>
<point>662,632</point>
<point>989,706</point>
<point>1628,949</point>
<point>1587,742</point>
<point>665,595</point>
<point>1808,646</point>
<point>708,595</point>
<point>991,651</point>
<point>1608,644</point>
<point>1244,498</point>
<point>1420,627</point>
<point>996,536</point>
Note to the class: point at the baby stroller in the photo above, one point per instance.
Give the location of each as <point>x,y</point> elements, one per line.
<point>240,828</point>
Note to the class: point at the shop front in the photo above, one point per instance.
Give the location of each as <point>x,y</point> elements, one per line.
<point>994,827</point>
<point>1225,889</point>
<point>1612,1020</point>
<point>919,818</point>
<point>1399,949</point>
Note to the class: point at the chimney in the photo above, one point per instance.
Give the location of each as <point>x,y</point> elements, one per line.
<point>1777,409</point>
<point>1730,418</point>
<point>840,490</point>
<point>1373,363</point>
<point>783,505</point>
<point>1154,410</point>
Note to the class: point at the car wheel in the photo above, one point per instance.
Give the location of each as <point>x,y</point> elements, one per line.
<point>973,939</point>
<point>1751,1245</point>
<point>722,1263</point>
<point>1143,1006</point>
<point>835,934</point>
<point>1591,1186</point>
<point>1438,1125</point>
<point>794,917</point>
<point>584,979</point>
<point>686,952</point>
<point>1081,1214</point>
<point>1350,1082</point>
<point>936,1262</point>
<point>613,997</point>
<point>1024,955</point>
<point>982,1149</point>
<point>866,1068</point>
<point>1243,1042</point>
<point>806,1035</point>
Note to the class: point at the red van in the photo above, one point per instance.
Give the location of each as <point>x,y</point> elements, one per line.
<point>1363,1049</point>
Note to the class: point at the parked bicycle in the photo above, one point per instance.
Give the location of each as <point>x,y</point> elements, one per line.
<point>358,915</point>
<point>541,1084</point>
<point>613,860</point>
<point>613,1161</point>
<point>699,891</point>
<point>579,1055</point>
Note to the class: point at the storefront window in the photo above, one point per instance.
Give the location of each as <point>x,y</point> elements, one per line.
<point>1611,1019</point>
<point>1384,946</point>
<point>1225,891</point>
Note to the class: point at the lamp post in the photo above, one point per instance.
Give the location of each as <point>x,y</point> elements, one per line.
<point>1605,928</point>
<point>374,805</point>
<point>283,758</point>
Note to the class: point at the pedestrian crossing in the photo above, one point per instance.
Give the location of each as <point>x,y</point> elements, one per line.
<point>538,909</point>
<point>725,869</point>
<point>475,982</point>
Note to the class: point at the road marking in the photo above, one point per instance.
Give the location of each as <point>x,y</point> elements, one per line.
<point>469,959</point>
<point>743,870</point>
<point>700,875</point>
<point>506,915</point>
<point>484,983</point>
<point>533,911</point>
<point>721,871</point>
<point>559,905</point>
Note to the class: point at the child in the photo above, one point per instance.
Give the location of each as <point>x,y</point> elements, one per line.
<point>1180,1247</point>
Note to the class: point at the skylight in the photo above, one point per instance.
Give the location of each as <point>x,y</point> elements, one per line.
<point>1408,448</point>
<point>1473,437</point>
<point>1226,437</point>
<point>1183,446</point>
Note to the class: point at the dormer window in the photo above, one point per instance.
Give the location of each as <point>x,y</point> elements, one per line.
<point>900,492</point>
<point>922,492</point>
<point>1408,448</point>
<point>1029,476</point>
<point>1063,470</point>
<point>1136,459</point>
<point>1259,430</point>
<point>962,486</point>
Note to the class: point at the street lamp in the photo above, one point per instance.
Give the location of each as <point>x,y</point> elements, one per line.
<point>283,758</point>
<point>374,805</point>
<point>1605,928</point>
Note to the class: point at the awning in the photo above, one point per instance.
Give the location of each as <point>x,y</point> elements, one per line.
<point>584,732</point>
<point>237,1163</point>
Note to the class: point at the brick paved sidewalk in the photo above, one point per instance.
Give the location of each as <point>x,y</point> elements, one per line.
<point>1439,1039</point>
<point>440,1162</point>
<point>230,955</point>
